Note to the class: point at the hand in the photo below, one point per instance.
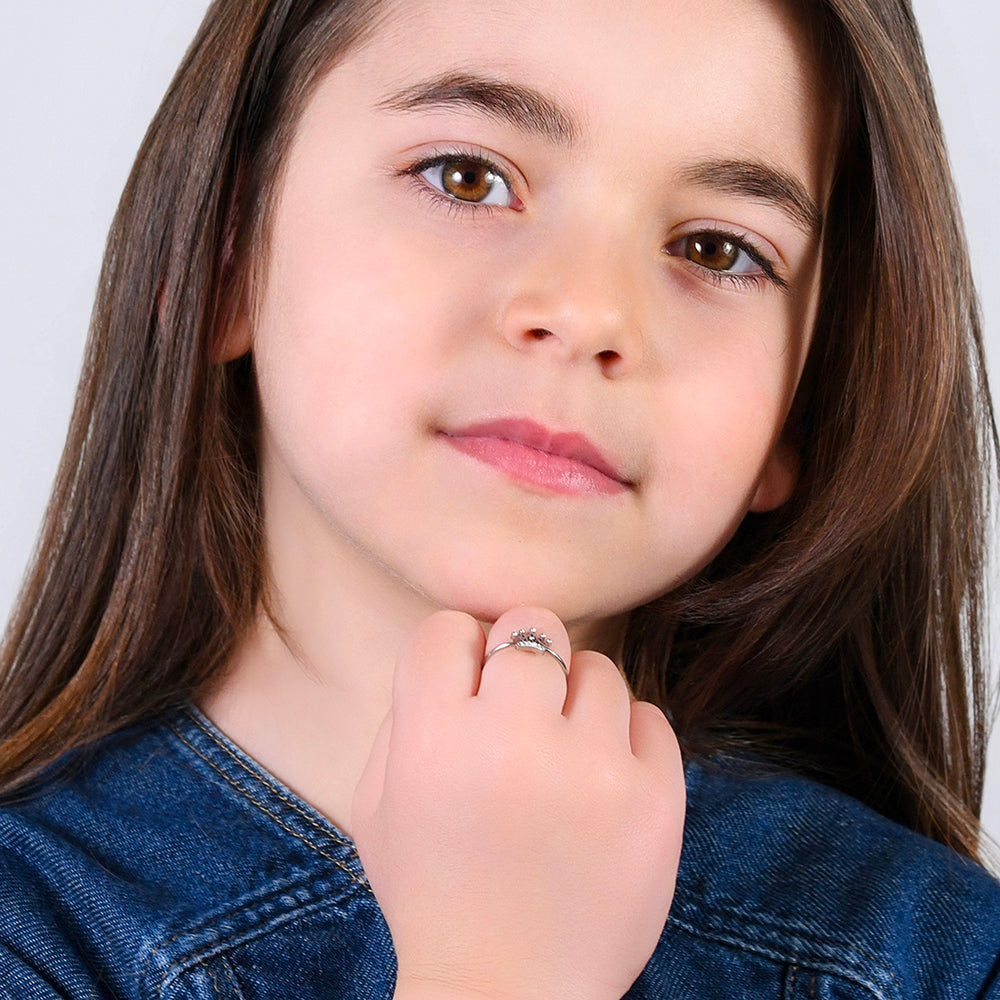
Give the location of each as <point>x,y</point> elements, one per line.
<point>521,831</point>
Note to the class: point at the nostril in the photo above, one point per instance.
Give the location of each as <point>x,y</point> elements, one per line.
<point>539,334</point>
<point>608,357</point>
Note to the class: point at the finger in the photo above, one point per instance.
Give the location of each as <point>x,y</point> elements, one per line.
<point>598,697</point>
<point>440,664</point>
<point>525,679</point>
<point>653,738</point>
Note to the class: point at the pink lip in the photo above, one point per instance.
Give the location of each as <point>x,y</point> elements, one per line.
<point>562,463</point>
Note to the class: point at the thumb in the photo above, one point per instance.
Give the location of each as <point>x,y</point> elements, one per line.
<point>368,792</point>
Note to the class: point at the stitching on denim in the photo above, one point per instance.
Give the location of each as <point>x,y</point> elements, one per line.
<point>804,930</point>
<point>270,785</point>
<point>812,987</point>
<point>764,919</point>
<point>791,982</point>
<point>210,973</point>
<point>256,903</point>
<point>250,929</point>
<point>355,877</point>
<point>336,862</point>
<point>822,963</point>
<point>201,956</point>
<point>231,973</point>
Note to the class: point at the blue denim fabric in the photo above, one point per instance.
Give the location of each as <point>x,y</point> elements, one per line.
<point>171,866</point>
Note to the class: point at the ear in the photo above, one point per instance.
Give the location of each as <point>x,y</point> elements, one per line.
<point>779,478</point>
<point>233,339</point>
<point>233,335</point>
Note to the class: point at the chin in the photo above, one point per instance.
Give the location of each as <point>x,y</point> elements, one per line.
<point>486,602</point>
<point>486,597</point>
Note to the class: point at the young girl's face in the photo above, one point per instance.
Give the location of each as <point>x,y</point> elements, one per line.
<point>540,287</point>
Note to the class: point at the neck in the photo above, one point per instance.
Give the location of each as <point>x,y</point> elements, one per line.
<point>308,686</point>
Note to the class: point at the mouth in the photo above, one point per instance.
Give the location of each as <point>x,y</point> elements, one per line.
<point>565,463</point>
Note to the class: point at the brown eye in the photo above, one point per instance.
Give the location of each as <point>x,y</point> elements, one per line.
<point>711,251</point>
<point>468,179</point>
<point>721,256</point>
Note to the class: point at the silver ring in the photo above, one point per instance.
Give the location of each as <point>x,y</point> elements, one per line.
<point>530,639</point>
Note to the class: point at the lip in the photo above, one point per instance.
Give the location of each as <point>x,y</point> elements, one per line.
<point>564,462</point>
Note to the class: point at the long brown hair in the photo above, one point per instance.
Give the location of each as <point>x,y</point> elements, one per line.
<point>844,632</point>
<point>841,633</point>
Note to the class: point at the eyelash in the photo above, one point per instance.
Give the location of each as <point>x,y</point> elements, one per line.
<point>721,279</point>
<point>457,205</point>
<point>767,274</point>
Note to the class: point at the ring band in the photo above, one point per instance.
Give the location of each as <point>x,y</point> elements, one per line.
<point>530,639</point>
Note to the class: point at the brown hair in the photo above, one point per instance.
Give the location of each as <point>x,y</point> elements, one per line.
<point>841,632</point>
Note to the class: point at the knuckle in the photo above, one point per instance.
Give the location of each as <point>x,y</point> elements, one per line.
<point>447,622</point>
<point>442,630</point>
<point>599,668</point>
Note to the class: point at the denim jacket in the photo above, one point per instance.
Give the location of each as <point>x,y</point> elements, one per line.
<point>169,865</point>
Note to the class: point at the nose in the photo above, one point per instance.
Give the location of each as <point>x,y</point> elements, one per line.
<point>577,303</point>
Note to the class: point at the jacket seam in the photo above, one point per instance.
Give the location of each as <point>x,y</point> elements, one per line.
<point>238,990</point>
<point>232,985</point>
<point>355,877</point>
<point>263,778</point>
<point>810,960</point>
<point>806,931</point>
<point>201,954</point>
<point>207,923</point>
<point>784,925</point>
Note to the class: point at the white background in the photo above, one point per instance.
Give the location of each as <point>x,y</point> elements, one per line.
<point>80,83</point>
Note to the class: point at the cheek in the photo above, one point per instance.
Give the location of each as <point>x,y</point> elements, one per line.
<point>371,290</point>
<point>340,310</point>
<point>723,406</point>
<point>357,333</point>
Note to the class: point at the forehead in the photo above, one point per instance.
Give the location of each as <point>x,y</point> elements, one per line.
<point>739,76</point>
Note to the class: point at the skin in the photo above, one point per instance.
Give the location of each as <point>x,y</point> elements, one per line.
<point>394,316</point>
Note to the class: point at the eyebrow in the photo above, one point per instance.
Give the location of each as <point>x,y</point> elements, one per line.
<point>531,111</point>
<point>763,183</point>
<point>525,108</point>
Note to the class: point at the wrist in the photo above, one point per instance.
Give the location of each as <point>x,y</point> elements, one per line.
<point>421,988</point>
<point>415,988</point>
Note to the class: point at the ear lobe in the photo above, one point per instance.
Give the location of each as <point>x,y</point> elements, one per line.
<point>234,340</point>
<point>233,332</point>
<point>779,479</point>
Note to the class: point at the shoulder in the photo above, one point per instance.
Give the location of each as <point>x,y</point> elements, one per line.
<point>164,855</point>
<point>798,875</point>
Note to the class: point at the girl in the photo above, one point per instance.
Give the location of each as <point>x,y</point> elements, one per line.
<point>414,318</point>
